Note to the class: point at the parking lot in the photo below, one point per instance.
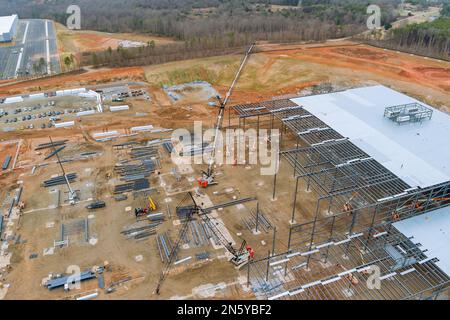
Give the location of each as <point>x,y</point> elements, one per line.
<point>42,113</point>
<point>35,39</point>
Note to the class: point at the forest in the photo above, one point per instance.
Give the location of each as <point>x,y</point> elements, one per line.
<point>277,20</point>
<point>431,39</point>
<point>211,27</point>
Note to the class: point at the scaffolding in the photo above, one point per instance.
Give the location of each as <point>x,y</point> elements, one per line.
<point>358,199</point>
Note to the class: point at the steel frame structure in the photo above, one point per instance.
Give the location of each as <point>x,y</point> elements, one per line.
<point>343,268</point>
<point>356,195</point>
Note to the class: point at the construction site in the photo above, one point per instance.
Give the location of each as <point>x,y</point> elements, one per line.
<point>103,199</point>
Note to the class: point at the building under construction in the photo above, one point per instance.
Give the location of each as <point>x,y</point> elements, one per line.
<point>376,163</point>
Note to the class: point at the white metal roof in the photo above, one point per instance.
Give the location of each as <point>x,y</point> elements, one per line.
<point>6,23</point>
<point>432,231</point>
<point>418,153</point>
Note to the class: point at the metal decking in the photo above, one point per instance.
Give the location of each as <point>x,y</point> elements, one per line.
<point>358,199</point>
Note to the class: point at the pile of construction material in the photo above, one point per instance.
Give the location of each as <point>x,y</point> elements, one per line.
<point>136,185</point>
<point>96,205</point>
<point>59,180</point>
<point>260,218</point>
<point>144,152</point>
<point>6,162</point>
<point>144,161</point>
<point>156,217</point>
<point>131,172</point>
<point>184,212</point>
<point>50,144</point>
<point>141,232</point>
<point>168,146</point>
<point>53,153</point>
<point>164,245</point>
<point>200,234</point>
<point>63,281</point>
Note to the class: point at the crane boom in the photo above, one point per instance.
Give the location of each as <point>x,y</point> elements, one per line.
<point>208,176</point>
<point>240,256</point>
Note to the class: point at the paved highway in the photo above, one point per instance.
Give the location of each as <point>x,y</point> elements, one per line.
<point>35,39</point>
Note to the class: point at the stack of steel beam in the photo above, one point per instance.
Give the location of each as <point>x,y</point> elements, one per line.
<point>54,152</point>
<point>164,246</point>
<point>168,146</point>
<point>50,145</point>
<point>141,232</point>
<point>202,255</point>
<point>184,212</point>
<point>96,205</point>
<point>140,184</point>
<point>199,233</point>
<point>61,281</point>
<point>59,180</point>
<point>137,171</point>
<point>263,222</point>
<point>156,216</point>
<point>6,162</point>
<point>143,152</point>
<point>120,197</point>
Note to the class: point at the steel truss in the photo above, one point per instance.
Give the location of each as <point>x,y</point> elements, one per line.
<point>344,268</point>
<point>357,198</point>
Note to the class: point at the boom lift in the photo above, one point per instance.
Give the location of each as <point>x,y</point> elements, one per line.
<point>239,257</point>
<point>207,177</point>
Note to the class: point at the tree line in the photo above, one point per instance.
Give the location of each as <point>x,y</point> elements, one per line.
<point>431,39</point>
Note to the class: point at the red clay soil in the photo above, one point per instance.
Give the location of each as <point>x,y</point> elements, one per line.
<point>91,77</point>
<point>390,64</point>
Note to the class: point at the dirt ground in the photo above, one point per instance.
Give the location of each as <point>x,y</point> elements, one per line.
<point>41,222</point>
<point>278,70</point>
<point>135,265</point>
<point>78,41</point>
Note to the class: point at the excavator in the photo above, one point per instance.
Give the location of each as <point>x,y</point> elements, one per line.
<point>207,178</point>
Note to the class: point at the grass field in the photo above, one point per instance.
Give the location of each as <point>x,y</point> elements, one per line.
<point>77,41</point>
<point>280,72</point>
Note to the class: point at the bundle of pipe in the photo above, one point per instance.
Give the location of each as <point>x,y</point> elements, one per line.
<point>136,185</point>
<point>59,180</point>
<point>168,146</point>
<point>139,152</point>
<point>90,153</point>
<point>156,216</point>
<point>50,145</point>
<point>6,162</point>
